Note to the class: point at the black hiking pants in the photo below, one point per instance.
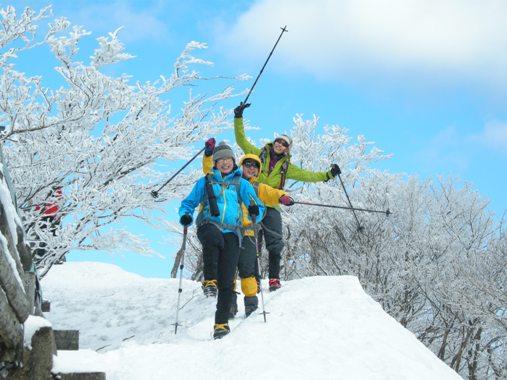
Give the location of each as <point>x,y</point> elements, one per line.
<point>247,266</point>
<point>272,233</point>
<point>220,259</point>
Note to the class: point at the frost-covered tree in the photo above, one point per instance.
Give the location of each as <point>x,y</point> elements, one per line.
<point>437,264</point>
<point>106,140</point>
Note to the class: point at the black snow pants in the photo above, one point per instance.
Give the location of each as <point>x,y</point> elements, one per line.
<point>272,234</point>
<point>247,266</point>
<point>220,259</point>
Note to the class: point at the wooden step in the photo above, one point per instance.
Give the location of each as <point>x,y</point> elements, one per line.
<point>78,365</point>
<point>67,339</point>
<point>81,376</point>
<point>46,306</point>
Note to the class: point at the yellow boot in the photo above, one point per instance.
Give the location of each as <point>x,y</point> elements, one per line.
<point>220,330</point>
<point>209,288</point>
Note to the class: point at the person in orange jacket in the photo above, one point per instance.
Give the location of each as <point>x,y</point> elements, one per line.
<point>250,165</point>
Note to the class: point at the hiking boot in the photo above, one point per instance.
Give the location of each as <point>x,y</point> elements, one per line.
<point>220,330</point>
<point>274,284</point>
<point>234,305</point>
<point>209,288</point>
<point>251,304</point>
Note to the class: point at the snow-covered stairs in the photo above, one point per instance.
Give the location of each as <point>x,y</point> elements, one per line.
<point>67,345</point>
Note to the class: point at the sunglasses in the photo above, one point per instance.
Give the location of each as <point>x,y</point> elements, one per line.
<point>251,164</point>
<point>282,142</point>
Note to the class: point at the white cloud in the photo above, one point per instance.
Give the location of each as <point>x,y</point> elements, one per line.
<point>494,136</point>
<point>339,38</point>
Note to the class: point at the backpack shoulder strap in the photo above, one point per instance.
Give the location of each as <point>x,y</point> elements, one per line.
<point>236,183</point>
<point>263,154</point>
<point>283,172</point>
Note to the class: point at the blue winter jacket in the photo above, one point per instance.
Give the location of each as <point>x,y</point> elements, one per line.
<point>227,200</point>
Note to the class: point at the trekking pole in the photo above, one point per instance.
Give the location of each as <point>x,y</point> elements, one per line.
<point>359,227</point>
<point>182,252</point>
<point>154,193</point>
<point>284,29</point>
<point>258,254</point>
<point>387,212</point>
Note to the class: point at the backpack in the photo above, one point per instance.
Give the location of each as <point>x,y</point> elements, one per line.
<point>210,202</point>
<point>283,170</point>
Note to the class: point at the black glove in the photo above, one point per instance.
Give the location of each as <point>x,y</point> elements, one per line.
<point>335,170</point>
<point>209,147</point>
<point>253,210</point>
<point>186,220</point>
<point>238,111</point>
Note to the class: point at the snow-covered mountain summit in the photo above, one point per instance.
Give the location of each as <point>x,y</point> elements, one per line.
<point>319,328</point>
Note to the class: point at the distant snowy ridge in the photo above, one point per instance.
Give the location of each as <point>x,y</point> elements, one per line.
<point>318,327</point>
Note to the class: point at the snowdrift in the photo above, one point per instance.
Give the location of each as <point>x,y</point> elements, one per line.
<point>319,327</point>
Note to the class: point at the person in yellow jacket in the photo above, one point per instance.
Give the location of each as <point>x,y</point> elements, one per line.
<point>250,165</point>
<point>276,168</point>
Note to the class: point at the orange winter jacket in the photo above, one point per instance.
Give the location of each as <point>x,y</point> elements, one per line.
<point>267,194</point>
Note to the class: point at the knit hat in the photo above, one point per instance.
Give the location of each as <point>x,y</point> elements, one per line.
<point>285,138</point>
<point>223,151</point>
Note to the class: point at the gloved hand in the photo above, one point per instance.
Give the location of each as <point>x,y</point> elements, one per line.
<point>238,111</point>
<point>335,170</point>
<point>209,146</point>
<point>286,200</point>
<point>186,220</point>
<point>253,210</point>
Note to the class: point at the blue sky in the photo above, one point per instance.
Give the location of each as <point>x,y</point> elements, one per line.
<point>424,79</point>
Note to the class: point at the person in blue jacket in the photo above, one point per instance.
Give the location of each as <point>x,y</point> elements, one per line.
<point>219,223</point>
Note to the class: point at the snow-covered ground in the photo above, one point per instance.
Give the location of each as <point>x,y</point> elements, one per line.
<point>319,328</point>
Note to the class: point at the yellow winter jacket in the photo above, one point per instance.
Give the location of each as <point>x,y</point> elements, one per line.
<point>267,194</point>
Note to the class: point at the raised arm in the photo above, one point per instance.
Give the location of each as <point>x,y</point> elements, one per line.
<point>239,131</point>
<point>207,157</point>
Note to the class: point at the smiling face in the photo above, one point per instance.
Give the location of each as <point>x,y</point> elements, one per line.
<point>225,165</point>
<point>280,146</point>
<point>250,169</point>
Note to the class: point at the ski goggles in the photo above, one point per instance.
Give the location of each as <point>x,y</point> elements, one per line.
<point>251,164</point>
<point>282,142</point>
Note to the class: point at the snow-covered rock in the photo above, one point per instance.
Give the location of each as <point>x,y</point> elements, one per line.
<point>33,324</point>
<point>319,327</point>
